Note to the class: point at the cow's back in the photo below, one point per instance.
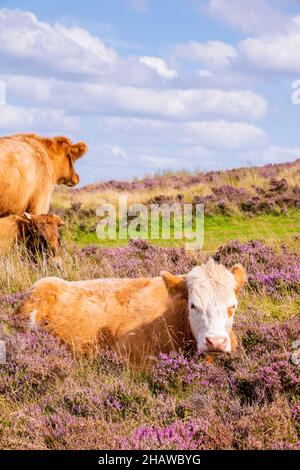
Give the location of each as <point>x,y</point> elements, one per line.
<point>22,165</point>
<point>133,316</point>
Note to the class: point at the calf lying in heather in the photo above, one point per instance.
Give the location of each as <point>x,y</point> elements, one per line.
<point>140,318</point>
<point>39,233</point>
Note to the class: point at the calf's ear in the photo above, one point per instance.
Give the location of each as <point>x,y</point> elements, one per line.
<point>24,218</point>
<point>175,284</point>
<point>78,150</point>
<point>24,224</point>
<point>240,276</point>
<point>57,220</point>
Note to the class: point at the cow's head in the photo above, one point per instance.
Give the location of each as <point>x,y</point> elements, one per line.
<point>41,233</point>
<point>64,154</point>
<point>213,299</point>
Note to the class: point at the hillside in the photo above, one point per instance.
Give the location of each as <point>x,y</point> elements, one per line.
<point>50,399</point>
<point>181,180</point>
<point>269,196</point>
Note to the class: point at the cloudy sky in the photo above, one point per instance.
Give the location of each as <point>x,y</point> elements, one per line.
<point>154,85</point>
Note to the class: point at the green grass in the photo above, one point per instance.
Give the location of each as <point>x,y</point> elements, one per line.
<point>221,229</point>
<point>264,308</point>
<point>218,230</point>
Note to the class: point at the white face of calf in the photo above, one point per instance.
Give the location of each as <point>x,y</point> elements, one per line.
<point>212,294</point>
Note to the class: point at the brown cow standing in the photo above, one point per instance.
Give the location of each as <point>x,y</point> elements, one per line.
<point>30,167</point>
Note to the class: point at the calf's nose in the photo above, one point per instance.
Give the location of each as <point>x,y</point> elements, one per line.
<point>216,343</point>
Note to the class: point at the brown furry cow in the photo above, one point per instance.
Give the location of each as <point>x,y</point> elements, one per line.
<point>142,317</point>
<point>39,233</point>
<point>30,167</point>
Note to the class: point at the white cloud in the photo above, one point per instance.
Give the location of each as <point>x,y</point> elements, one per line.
<point>26,43</point>
<point>170,103</point>
<point>205,134</point>
<point>146,115</point>
<point>275,42</point>
<point>277,53</point>
<point>11,117</point>
<point>249,16</point>
<point>17,119</point>
<point>159,66</point>
<point>174,103</point>
<point>273,46</point>
<point>215,54</point>
<point>52,47</point>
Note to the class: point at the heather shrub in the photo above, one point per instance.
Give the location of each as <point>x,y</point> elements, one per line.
<point>174,370</point>
<point>182,403</point>
<point>274,271</point>
<point>295,412</point>
<point>110,401</point>
<point>262,338</point>
<point>178,435</point>
<point>35,361</point>
<point>79,401</point>
<point>268,369</point>
<point>267,427</point>
<point>221,424</point>
<point>33,427</point>
<point>268,189</point>
<point>141,258</point>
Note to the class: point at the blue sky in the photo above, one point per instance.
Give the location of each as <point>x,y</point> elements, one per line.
<point>154,85</point>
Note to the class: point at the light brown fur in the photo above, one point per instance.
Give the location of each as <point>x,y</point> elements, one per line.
<point>37,232</point>
<point>30,167</point>
<point>240,275</point>
<point>138,318</point>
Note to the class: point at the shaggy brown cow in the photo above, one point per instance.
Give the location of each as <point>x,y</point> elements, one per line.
<point>140,318</point>
<point>39,233</point>
<point>30,167</point>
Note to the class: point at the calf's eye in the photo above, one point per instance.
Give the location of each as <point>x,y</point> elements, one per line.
<point>193,307</point>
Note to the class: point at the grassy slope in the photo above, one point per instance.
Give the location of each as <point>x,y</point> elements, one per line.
<point>218,230</point>
<point>39,390</point>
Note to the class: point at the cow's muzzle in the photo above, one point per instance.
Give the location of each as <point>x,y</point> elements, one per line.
<point>216,343</point>
<point>72,182</point>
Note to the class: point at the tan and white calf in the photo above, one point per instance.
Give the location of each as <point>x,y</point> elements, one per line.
<point>142,317</point>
